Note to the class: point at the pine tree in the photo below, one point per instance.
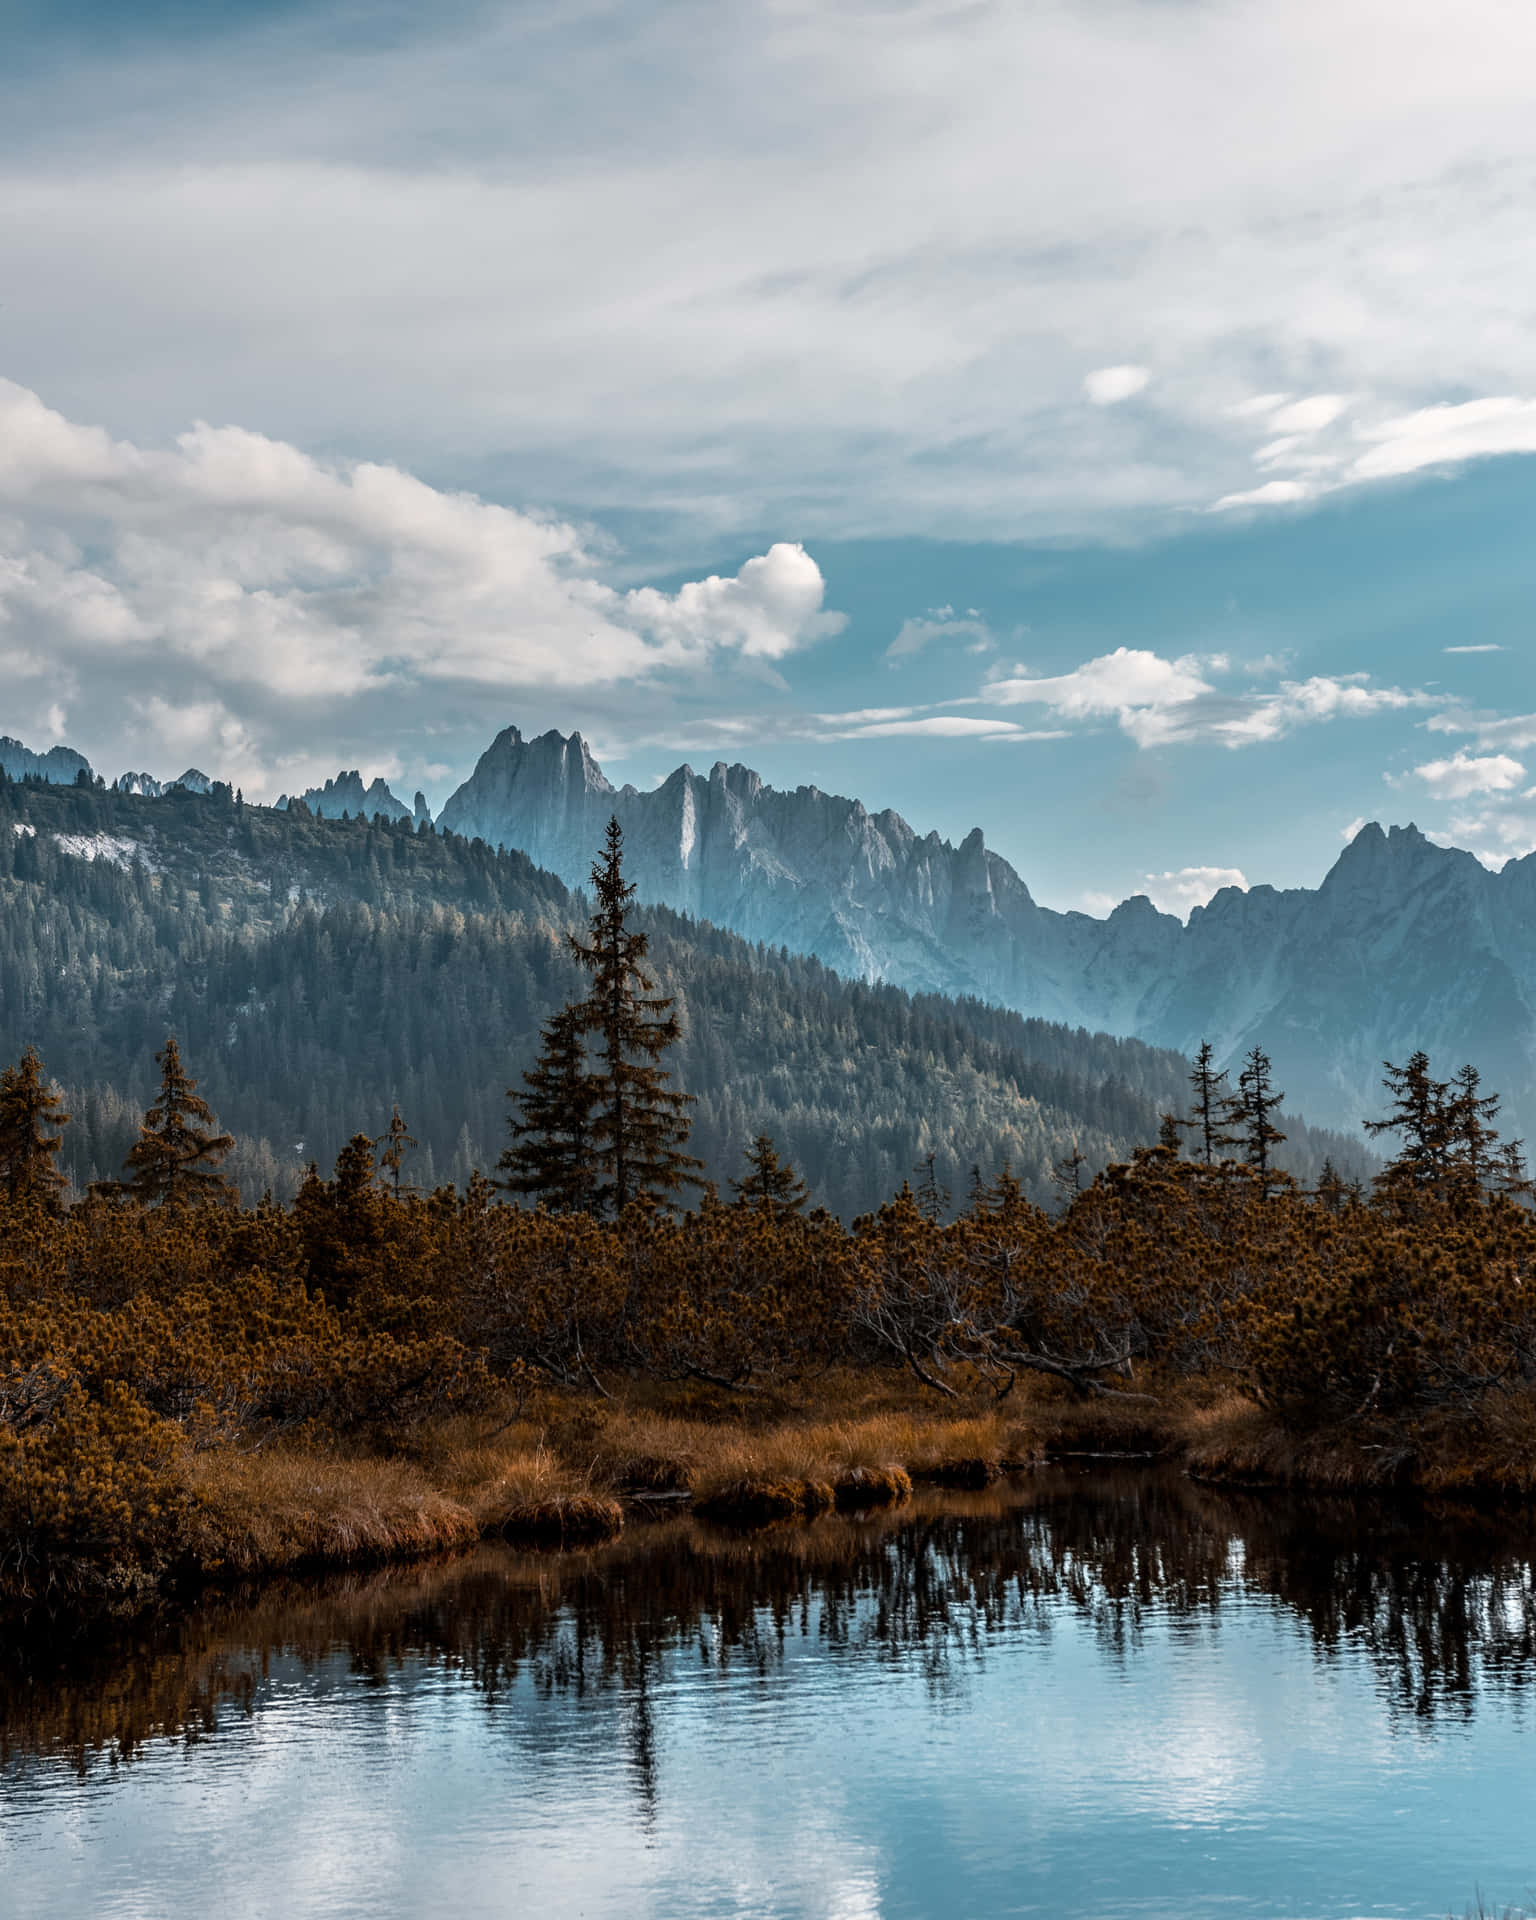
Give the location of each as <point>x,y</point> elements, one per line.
<point>1332,1193</point>
<point>1258,1099</point>
<point>640,1124</point>
<point>1066,1176</point>
<point>552,1156</point>
<point>1511,1174</point>
<point>1420,1117</point>
<point>770,1187</point>
<point>1216,1109</point>
<point>1471,1152</point>
<point>932,1199</point>
<point>174,1159</point>
<point>28,1108</point>
<point>395,1139</point>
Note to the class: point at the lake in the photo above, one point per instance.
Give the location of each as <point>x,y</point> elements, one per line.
<point>1099,1692</point>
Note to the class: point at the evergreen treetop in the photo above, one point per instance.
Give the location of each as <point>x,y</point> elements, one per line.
<point>1258,1098</point>
<point>174,1160</point>
<point>640,1124</point>
<point>770,1186</point>
<point>552,1155</point>
<point>28,1109</point>
<point>1216,1107</point>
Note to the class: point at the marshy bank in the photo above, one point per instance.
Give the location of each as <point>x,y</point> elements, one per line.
<point>194,1391</point>
<point>560,1472</point>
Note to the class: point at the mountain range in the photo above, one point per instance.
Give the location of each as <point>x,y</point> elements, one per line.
<point>1405,944</point>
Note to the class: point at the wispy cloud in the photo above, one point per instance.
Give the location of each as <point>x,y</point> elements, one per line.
<point>895,338</point>
<point>1513,731</point>
<point>1161,702</point>
<point>941,625</point>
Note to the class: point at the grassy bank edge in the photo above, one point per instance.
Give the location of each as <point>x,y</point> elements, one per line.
<point>564,1471</point>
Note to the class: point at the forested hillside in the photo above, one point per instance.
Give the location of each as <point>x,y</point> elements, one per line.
<point>318,971</point>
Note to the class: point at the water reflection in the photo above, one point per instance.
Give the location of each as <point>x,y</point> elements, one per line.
<point>1441,1602</point>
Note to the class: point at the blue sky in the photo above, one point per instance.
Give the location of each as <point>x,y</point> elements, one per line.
<point>1112,427</point>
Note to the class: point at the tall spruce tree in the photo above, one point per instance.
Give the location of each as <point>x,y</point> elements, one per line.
<point>1216,1108</point>
<point>552,1156</point>
<point>1258,1098</point>
<point>174,1161</point>
<point>770,1187</point>
<point>1420,1117</point>
<point>1472,1148</point>
<point>640,1124</point>
<point>28,1109</point>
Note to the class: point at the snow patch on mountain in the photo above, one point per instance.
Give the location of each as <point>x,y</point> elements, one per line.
<point>116,849</point>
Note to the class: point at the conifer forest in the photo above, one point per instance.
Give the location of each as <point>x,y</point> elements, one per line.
<point>163,1334</point>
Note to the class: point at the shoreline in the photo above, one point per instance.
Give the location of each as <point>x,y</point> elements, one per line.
<point>565,1473</point>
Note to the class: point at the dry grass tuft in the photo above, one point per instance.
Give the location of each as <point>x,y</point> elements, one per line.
<point>263,1512</point>
<point>570,1520</point>
<point>863,1487</point>
<point>757,1503</point>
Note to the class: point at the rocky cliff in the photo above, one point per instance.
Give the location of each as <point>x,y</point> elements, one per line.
<point>1405,944</point>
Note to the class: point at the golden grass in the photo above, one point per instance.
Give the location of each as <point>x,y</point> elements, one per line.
<point>1234,1442</point>
<point>558,1472</point>
<point>263,1512</point>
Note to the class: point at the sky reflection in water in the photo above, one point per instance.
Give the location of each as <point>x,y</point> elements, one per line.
<point>1089,1695</point>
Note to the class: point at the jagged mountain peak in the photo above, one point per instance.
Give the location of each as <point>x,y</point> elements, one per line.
<point>60,766</point>
<point>345,794</point>
<point>1405,943</point>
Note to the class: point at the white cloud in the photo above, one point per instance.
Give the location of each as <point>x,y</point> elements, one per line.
<point>1178,892</point>
<point>1108,386</point>
<point>1307,416</point>
<point>1129,680</point>
<point>1483,646</point>
<point>1273,493</point>
<point>951,726</point>
<point>1465,774</point>
<point>250,577</point>
<point>941,624</point>
<point>1499,831</point>
<point>896,723</point>
<point>1514,731</point>
<point>1446,435</point>
<point>1162,702</point>
<point>429,253</point>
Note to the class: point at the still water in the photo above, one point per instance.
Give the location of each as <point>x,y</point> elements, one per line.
<point>1084,1694</point>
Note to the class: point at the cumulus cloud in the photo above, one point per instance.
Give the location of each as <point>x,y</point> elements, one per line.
<point>166,591</point>
<point>1465,774</point>
<point>1161,702</point>
<point>1108,386</point>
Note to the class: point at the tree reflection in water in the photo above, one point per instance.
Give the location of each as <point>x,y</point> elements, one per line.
<point>1440,1599</point>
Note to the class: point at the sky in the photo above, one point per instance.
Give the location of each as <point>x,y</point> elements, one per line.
<point>1107,422</point>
